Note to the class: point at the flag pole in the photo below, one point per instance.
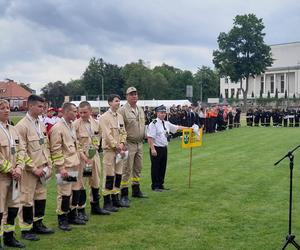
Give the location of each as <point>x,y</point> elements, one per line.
<point>190,174</point>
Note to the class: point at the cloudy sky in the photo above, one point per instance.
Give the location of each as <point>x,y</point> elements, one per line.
<point>49,40</point>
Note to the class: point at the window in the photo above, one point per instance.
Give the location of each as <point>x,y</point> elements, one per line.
<point>262,84</point>
<point>232,93</point>
<point>226,80</point>
<point>226,93</point>
<point>282,83</point>
<point>272,84</point>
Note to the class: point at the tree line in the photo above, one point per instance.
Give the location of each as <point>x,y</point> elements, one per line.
<point>161,82</point>
<point>242,54</point>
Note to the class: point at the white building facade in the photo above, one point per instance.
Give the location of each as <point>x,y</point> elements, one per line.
<point>283,75</point>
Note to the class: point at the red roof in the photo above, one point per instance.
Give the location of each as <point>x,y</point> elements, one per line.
<point>11,89</point>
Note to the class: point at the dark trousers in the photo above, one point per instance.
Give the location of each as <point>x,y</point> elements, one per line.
<point>158,167</point>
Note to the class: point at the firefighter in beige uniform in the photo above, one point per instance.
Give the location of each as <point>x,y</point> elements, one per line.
<point>89,135</point>
<point>113,143</point>
<point>65,157</point>
<point>37,166</point>
<point>134,119</point>
<point>11,166</point>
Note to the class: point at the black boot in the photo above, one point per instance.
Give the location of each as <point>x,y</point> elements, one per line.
<point>63,222</point>
<point>39,212</point>
<point>116,200</point>
<point>95,204</point>
<point>96,209</point>
<point>82,215</point>
<point>10,241</point>
<point>28,219</point>
<point>74,219</point>
<point>136,192</point>
<point>40,228</point>
<point>124,197</point>
<point>29,235</point>
<point>108,204</point>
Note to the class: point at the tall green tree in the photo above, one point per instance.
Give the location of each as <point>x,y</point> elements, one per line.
<point>207,83</point>
<point>93,76</point>
<point>137,74</point>
<point>242,51</point>
<point>55,93</point>
<point>75,88</point>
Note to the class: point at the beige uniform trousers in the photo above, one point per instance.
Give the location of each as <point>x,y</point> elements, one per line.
<point>65,190</point>
<point>110,168</point>
<point>133,165</point>
<point>6,201</point>
<point>31,189</point>
<point>94,180</point>
<point>6,194</point>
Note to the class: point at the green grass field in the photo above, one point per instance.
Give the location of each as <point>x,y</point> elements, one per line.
<point>238,199</point>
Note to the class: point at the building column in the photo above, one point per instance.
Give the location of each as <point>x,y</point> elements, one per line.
<point>265,84</point>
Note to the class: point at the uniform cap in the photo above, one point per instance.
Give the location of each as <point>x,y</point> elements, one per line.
<point>161,108</point>
<point>131,89</point>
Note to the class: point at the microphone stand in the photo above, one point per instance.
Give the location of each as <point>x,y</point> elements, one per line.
<point>290,238</point>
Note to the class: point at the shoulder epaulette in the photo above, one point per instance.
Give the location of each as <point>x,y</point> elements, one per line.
<point>154,121</point>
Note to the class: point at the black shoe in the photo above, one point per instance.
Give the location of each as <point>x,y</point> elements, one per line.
<point>10,241</point>
<point>96,209</point>
<point>125,201</point>
<point>40,228</point>
<point>116,200</point>
<point>29,235</point>
<point>137,193</point>
<point>164,188</point>
<point>63,223</point>
<point>157,190</point>
<point>74,218</point>
<point>82,215</point>
<point>108,204</point>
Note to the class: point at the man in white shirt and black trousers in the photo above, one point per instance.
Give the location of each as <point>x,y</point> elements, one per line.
<point>158,137</point>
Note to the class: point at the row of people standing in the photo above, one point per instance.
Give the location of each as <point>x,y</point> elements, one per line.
<point>70,148</point>
<point>273,117</point>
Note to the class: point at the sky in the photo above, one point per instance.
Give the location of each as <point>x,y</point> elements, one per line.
<point>44,41</point>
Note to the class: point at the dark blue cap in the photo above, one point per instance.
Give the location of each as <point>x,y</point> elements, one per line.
<point>161,108</point>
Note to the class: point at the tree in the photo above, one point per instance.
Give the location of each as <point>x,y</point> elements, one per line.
<point>208,81</point>
<point>75,88</point>
<point>242,52</point>
<point>276,94</point>
<point>55,92</point>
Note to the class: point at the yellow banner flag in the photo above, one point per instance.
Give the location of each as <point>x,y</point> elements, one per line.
<point>190,139</point>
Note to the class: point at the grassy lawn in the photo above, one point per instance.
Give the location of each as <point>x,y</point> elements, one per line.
<point>238,200</point>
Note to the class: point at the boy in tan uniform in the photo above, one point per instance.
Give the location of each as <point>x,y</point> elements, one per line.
<point>134,119</point>
<point>89,135</point>
<point>65,157</point>
<point>113,142</point>
<point>37,165</point>
<point>11,166</point>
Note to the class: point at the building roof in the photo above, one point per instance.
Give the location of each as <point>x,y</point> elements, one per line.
<point>11,89</point>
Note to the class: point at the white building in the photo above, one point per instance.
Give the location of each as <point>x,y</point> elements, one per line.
<point>283,75</point>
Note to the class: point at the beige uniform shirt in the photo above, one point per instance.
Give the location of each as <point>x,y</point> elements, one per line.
<point>11,149</point>
<point>113,129</point>
<point>64,145</point>
<point>33,133</point>
<point>134,120</point>
<point>88,133</point>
